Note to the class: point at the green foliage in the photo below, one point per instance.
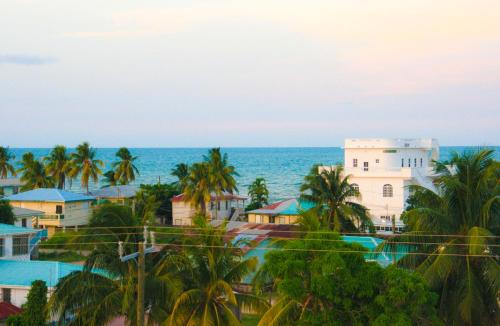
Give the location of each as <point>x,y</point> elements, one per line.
<point>6,167</point>
<point>6,214</point>
<point>259,195</point>
<point>320,280</point>
<point>35,310</point>
<point>65,257</point>
<point>155,201</point>
<point>33,173</point>
<point>84,163</point>
<point>335,198</point>
<point>125,170</point>
<point>15,320</point>
<point>58,165</point>
<point>181,171</point>
<point>464,268</point>
<point>109,179</point>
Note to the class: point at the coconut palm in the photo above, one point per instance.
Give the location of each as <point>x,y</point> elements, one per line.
<point>125,169</point>
<point>109,179</point>
<point>58,165</point>
<point>33,173</point>
<point>86,165</point>
<point>463,265</point>
<point>258,193</point>
<point>335,199</point>
<point>198,187</point>
<point>106,288</point>
<point>181,171</point>
<point>210,297</point>
<point>221,174</point>
<point>5,166</point>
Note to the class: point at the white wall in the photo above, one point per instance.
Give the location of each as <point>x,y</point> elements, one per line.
<point>183,212</point>
<point>8,249</point>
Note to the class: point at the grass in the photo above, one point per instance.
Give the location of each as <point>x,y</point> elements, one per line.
<point>65,257</point>
<point>250,320</point>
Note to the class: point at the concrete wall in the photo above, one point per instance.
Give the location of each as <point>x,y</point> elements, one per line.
<point>75,213</point>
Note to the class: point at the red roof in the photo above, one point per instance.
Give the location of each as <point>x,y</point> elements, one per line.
<point>7,309</point>
<point>274,205</point>
<point>226,196</point>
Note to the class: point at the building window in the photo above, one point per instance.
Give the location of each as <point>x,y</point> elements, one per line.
<point>20,245</point>
<point>212,205</point>
<point>6,295</point>
<point>409,162</point>
<point>24,223</point>
<point>218,205</point>
<point>377,161</point>
<point>387,190</point>
<point>58,209</point>
<point>1,247</point>
<point>385,218</point>
<point>421,162</point>
<point>365,166</point>
<point>355,187</point>
<point>415,162</point>
<point>355,163</point>
<point>402,162</point>
<point>227,205</point>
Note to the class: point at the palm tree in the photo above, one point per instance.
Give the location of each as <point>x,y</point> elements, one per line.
<point>181,171</point>
<point>258,193</point>
<point>106,288</point>
<point>198,188</point>
<point>210,297</point>
<point>33,173</point>
<point>5,166</point>
<point>221,174</point>
<point>85,164</point>
<point>109,179</point>
<point>335,199</point>
<point>462,265</point>
<point>125,169</point>
<point>58,165</point>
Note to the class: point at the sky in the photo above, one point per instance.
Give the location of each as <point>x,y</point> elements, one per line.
<point>199,73</point>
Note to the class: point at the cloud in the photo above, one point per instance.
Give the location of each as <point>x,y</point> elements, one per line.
<point>27,60</point>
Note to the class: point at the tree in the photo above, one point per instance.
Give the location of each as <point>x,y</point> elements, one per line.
<point>181,171</point>
<point>109,179</point>
<point>335,199</point>
<point>58,165</point>
<point>198,187</point>
<point>321,280</point>
<point>463,218</point>
<point>156,199</point>
<point>209,297</point>
<point>221,174</point>
<point>86,165</point>
<point>125,169</point>
<point>34,310</point>
<point>6,214</point>
<point>258,194</point>
<point>106,288</point>
<point>33,173</point>
<point>5,166</point>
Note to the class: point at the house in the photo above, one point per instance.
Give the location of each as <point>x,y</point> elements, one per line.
<point>225,207</point>
<point>18,243</point>
<point>61,208</point>
<point>282,212</point>
<point>383,169</point>
<point>26,217</point>
<point>10,186</point>
<point>124,194</point>
<point>16,277</point>
<point>7,310</point>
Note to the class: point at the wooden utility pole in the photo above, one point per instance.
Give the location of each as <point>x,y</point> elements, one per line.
<point>141,270</point>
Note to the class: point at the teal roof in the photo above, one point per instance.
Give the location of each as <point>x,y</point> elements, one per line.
<point>24,272</point>
<point>7,229</point>
<point>297,207</point>
<point>49,195</point>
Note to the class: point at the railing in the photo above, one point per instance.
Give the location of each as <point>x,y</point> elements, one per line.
<point>52,217</point>
<point>42,234</point>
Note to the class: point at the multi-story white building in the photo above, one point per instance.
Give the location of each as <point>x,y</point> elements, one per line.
<point>383,170</point>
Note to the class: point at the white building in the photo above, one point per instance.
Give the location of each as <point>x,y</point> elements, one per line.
<point>383,170</point>
<point>225,207</point>
<point>17,243</point>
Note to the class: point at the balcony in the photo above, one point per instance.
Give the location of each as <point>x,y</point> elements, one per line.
<point>50,219</point>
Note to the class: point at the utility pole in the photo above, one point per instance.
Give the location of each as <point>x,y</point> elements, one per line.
<point>141,270</point>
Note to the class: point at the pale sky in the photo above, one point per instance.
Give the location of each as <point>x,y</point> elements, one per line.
<point>159,73</point>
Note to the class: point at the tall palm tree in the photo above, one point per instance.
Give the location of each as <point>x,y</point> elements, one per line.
<point>258,193</point>
<point>109,179</point>
<point>221,174</point>
<point>335,199</point>
<point>463,263</point>
<point>5,166</point>
<point>210,297</point>
<point>33,173</point>
<point>85,164</point>
<point>181,171</point>
<point>198,188</point>
<point>125,169</point>
<point>106,288</point>
<point>58,165</point>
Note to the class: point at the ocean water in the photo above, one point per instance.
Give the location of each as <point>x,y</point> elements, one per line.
<point>283,168</point>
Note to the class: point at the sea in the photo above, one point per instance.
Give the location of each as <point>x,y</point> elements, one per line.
<point>283,168</point>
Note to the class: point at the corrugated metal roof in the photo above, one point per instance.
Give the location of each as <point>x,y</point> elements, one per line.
<point>49,195</point>
<point>285,207</point>
<point>125,191</point>
<point>10,182</point>
<point>19,211</point>
<point>225,196</point>
<point>7,229</point>
<point>24,272</point>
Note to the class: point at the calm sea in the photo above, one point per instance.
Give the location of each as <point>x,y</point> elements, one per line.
<point>283,168</point>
